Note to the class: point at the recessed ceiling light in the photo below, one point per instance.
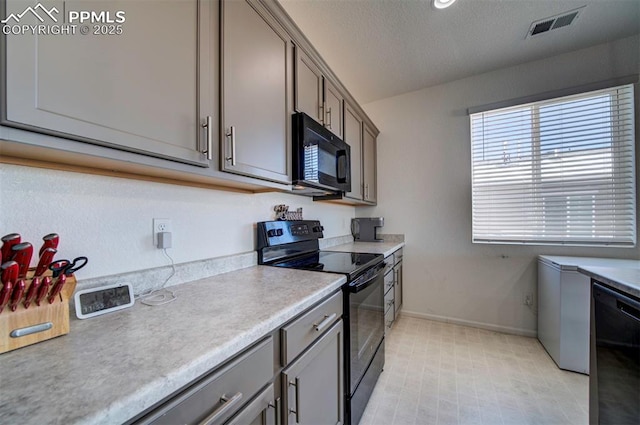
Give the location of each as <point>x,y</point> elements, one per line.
<point>442,4</point>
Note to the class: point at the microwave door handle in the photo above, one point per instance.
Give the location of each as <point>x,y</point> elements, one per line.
<point>341,166</point>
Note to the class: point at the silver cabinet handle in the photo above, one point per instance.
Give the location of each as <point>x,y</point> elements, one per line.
<point>366,191</point>
<point>276,406</point>
<point>326,322</point>
<point>329,120</point>
<point>390,303</point>
<point>227,404</point>
<point>209,126</point>
<point>296,412</point>
<point>232,134</point>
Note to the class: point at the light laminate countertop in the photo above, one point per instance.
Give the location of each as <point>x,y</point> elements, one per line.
<point>110,368</point>
<point>626,280</point>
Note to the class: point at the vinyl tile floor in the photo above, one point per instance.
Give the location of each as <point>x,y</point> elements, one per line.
<point>438,373</point>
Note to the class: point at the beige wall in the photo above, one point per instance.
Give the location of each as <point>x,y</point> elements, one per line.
<point>424,190</point>
<point>110,219</point>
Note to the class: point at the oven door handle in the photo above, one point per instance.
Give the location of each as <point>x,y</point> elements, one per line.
<point>359,286</point>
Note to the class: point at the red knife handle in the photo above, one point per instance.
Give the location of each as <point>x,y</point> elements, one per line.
<point>50,241</point>
<point>32,292</point>
<point>43,290</point>
<point>57,288</point>
<point>16,297</point>
<point>5,294</point>
<point>22,254</point>
<point>7,242</point>
<point>45,259</point>
<point>9,272</point>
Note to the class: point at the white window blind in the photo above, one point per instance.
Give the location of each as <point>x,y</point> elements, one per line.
<point>560,171</point>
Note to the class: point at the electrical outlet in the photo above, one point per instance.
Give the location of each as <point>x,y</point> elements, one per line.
<point>160,225</point>
<point>528,299</point>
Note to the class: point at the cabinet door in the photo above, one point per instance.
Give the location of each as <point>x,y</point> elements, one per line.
<point>261,411</point>
<point>131,85</point>
<point>369,164</point>
<point>309,96</point>
<point>333,104</point>
<point>353,137</point>
<point>313,384</point>
<point>256,92</point>
<point>398,288</point>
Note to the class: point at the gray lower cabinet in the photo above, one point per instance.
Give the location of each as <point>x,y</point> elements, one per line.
<point>294,375</point>
<point>261,411</point>
<point>393,286</point>
<point>389,300</point>
<point>397,269</point>
<point>313,384</point>
<point>133,85</point>
<point>257,98</point>
<point>224,393</point>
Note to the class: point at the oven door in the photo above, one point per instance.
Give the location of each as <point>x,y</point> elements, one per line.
<point>366,322</point>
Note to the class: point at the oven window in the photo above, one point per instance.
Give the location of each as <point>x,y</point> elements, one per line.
<point>366,320</point>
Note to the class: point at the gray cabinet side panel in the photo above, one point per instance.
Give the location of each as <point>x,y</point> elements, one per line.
<point>353,137</point>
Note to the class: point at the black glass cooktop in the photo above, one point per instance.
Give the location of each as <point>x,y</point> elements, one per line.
<point>349,263</point>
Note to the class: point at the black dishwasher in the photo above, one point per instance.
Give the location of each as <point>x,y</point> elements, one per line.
<point>617,357</point>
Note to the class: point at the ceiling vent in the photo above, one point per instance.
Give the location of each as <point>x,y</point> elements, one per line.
<point>559,21</point>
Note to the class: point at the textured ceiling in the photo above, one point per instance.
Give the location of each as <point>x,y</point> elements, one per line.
<point>382,48</point>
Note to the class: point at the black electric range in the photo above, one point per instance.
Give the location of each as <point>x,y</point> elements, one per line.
<point>294,244</point>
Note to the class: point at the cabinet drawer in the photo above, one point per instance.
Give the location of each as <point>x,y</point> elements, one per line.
<point>389,300</point>
<point>397,256</point>
<point>297,335</point>
<point>389,317</point>
<point>261,411</point>
<point>389,262</point>
<point>216,397</point>
<point>389,280</point>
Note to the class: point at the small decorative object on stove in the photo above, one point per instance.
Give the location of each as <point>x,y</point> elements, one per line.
<point>283,213</point>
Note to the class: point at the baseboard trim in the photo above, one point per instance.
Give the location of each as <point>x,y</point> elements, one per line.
<point>471,323</point>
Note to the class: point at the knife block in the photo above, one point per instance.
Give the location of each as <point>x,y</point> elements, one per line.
<point>56,314</point>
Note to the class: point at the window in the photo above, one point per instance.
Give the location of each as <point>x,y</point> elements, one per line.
<point>560,171</point>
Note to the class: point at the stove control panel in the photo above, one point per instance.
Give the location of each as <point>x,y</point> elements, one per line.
<point>273,233</point>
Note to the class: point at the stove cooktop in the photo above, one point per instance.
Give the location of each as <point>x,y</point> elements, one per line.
<point>348,263</point>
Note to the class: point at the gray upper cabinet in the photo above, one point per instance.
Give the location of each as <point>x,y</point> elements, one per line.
<point>353,136</point>
<point>256,92</point>
<point>369,164</point>
<point>134,87</point>
<point>316,96</point>
<point>333,105</point>
<point>309,89</point>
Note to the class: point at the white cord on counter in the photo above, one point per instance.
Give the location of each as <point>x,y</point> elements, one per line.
<point>161,296</point>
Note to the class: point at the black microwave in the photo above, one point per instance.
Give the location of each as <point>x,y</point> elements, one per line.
<point>321,160</point>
